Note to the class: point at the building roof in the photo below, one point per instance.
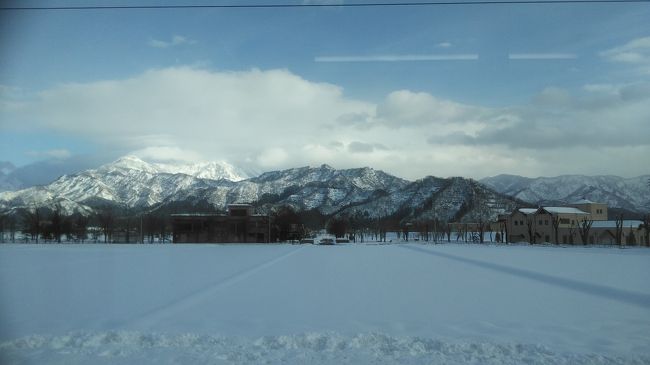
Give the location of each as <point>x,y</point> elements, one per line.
<point>527,210</point>
<point>563,210</point>
<point>612,224</point>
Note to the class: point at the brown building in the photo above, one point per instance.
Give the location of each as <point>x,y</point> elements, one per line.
<point>240,225</point>
<point>567,224</point>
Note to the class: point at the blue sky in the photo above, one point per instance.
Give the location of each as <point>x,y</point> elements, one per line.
<point>501,89</point>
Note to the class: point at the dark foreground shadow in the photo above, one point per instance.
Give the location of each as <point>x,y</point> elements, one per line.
<point>607,292</point>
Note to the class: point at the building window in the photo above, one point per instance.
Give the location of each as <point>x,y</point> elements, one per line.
<point>516,223</point>
<point>521,223</point>
<point>546,222</point>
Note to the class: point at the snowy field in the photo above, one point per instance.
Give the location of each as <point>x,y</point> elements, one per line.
<point>304,304</point>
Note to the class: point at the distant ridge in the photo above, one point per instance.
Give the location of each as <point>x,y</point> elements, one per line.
<point>135,184</point>
<point>618,192</point>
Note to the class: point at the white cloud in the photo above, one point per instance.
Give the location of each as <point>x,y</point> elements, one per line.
<point>556,119</point>
<point>167,154</point>
<point>234,115</point>
<point>272,157</point>
<point>405,108</point>
<point>542,56</point>
<point>553,96</point>
<point>634,51</point>
<point>444,44</point>
<point>57,153</point>
<point>176,40</point>
<point>400,58</point>
<point>275,119</point>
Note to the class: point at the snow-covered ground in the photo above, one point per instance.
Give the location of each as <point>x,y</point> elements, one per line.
<point>355,304</point>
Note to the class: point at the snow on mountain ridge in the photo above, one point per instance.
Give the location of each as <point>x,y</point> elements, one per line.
<point>629,193</point>
<point>132,182</point>
<point>128,182</point>
<point>214,170</point>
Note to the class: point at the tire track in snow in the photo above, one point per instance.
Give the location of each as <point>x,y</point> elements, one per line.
<point>625,296</point>
<point>167,310</point>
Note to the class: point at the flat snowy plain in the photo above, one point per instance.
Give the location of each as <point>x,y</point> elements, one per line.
<point>344,304</point>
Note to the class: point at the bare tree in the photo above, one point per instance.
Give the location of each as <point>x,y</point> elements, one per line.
<point>106,220</point>
<point>56,224</point>
<point>481,229</point>
<point>3,220</point>
<point>405,231</point>
<point>556,228</point>
<point>646,227</point>
<point>424,231</point>
<point>80,228</point>
<point>448,231</point>
<point>126,225</point>
<point>631,238</point>
<point>33,223</point>
<point>532,229</point>
<point>11,223</point>
<point>618,233</point>
<point>583,229</point>
<point>94,233</point>
<point>460,234</point>
<point>162,229</point>
<point>503,225</point>
<point>572,232</point>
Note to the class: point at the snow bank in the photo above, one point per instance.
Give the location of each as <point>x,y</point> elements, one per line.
<point>313,348</point>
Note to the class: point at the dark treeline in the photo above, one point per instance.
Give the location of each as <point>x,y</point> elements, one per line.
<point>120,224</point>
<point>108,224</point>
<point>290,224</point>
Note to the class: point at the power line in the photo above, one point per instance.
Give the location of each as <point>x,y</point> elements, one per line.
<point>323,5</point>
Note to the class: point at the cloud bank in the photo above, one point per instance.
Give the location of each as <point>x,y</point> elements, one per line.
<point>272,119</point>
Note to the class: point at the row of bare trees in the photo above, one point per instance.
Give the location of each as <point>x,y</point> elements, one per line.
<point>583,228</point>
<point>108,224</point>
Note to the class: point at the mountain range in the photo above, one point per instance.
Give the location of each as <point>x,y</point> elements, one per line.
<point>131,183</point>
<point>135,184</point>
<point>631,194</point>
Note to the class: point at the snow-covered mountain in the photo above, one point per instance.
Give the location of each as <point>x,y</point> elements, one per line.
<point>362,192</point>
<point>128,182</point>
<point>323,188</point>
<point>451,199</point>
<point>203,170</point>
<point>133,183</point>
<point>136,184</point>
<point>627,193</point>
